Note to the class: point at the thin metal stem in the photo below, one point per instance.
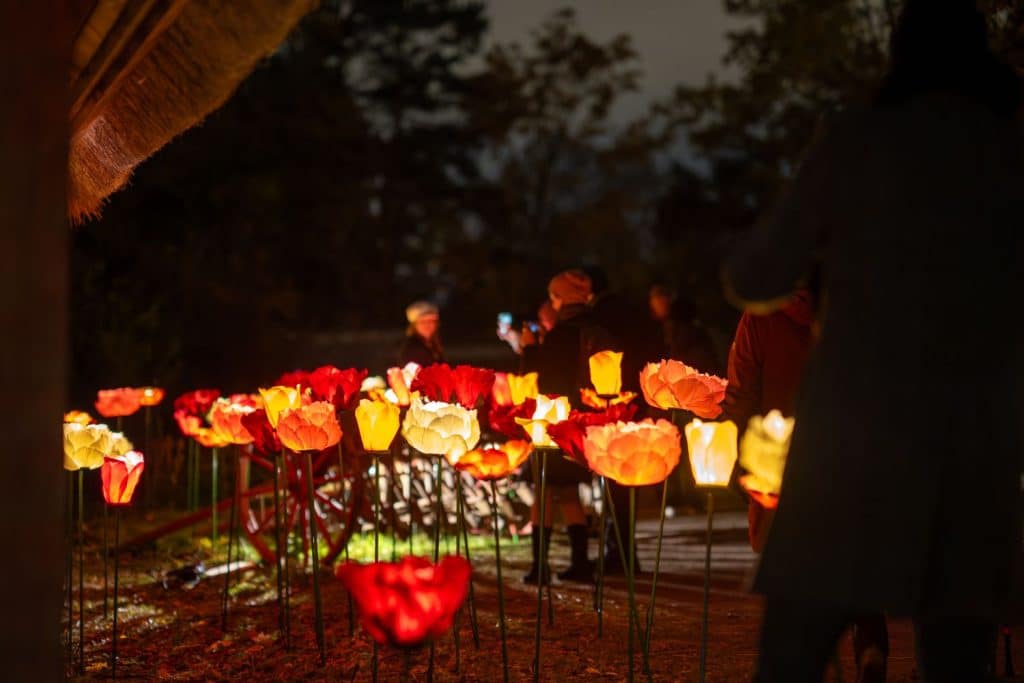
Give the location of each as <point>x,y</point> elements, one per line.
<point>277,542</point>
<point>70,540</point>
<point>630,569</point>
<point>213,497</point>
<point>314,548</point>
<point>437,550</point>
<point>232,524</point>
<point>81,575</point>
<point>469,558</point>
<point>117,564</point>
<point>106,553</point>
<point>707,591</point>
<point>599,591</point>
<point>501,587</point>
<point>541,562</point>
<point>654,583</point>
<point>376,543</point>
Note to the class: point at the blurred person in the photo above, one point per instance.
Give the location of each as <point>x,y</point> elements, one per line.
<point>631,330</point>
<point>562,364</point>
<point>531,333</point>
<point>906,454</point>
<point>684,338</point>
<point>422,338</point>
<point>766,363</point>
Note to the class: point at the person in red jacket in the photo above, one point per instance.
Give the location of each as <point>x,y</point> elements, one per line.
<point>766,363</point>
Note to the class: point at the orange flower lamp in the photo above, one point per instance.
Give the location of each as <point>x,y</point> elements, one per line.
<point>312,427</point>
<point>150,396</point>
<point>495,462</point>
<point>378,423</point>
<point>226,420</point>
<point>633,453</point>
<point>606,372</point>
<point>117,402</point>
<point>671,385</point>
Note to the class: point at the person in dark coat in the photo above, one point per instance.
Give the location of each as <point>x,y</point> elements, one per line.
<point>902,487</point>
<point>422,338</point>
<point>766,363</point>
<point>632,331</point>
<point>562,365</point>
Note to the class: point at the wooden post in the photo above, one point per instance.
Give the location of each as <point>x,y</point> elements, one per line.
<point>35,46</point>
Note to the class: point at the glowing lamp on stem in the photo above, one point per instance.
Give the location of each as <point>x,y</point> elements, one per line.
<point>278,399</point>
<point>309,428</point>
<point>119,475</point>
<point>150,396</point>
<point>606,372</point>
<point>763,451</point>
<point>712,457</point>
<point>491,464</point>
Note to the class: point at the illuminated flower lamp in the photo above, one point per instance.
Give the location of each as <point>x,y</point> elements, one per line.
<point>491,464</point>
<point>85,446</point>
<point>712,447</point>
<point>149,398</point>
<point>375,387</point>
<point>472,385</point>
<point>312,427</point>
<point>119,445</point>
<point>276,400</point>
<point>119,403</point>
<point>226,420</point>
<point>378,423</point>
<point>672,385</point>
<point>120,475</point>
<point>606,377</point>
<point>78,417</point>
<point>409,603</point>
<point>340,387</point>
<point>440,429</point>
<point>190,410</point>
<point>549,410</point>
<point>266,443</point>
<point>763,451</point>
<point>634,454</point>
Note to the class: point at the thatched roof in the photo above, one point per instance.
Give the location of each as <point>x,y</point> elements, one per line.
<point>143,71</point>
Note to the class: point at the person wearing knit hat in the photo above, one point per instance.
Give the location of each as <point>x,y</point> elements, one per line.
<point>570,287</point>
<point>562,364</point>
<point>422,341</point>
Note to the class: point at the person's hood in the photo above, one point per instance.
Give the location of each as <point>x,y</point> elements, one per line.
<point>800,309</point>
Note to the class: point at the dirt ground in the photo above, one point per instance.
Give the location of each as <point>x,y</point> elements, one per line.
<point>175,634</point>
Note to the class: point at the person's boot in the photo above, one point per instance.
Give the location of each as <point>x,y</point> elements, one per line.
<point>531,576</point>
<point>580,569</point>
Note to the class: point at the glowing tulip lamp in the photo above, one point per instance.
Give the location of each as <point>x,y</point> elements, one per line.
<point>309,428</point>
<point>712,448</point>
<point>763,451</point>
<point>120,475</point>
<point>491,464</point>
<point>85,446</point>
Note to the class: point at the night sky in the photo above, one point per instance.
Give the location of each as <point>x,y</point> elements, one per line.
<point>678,40</point>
